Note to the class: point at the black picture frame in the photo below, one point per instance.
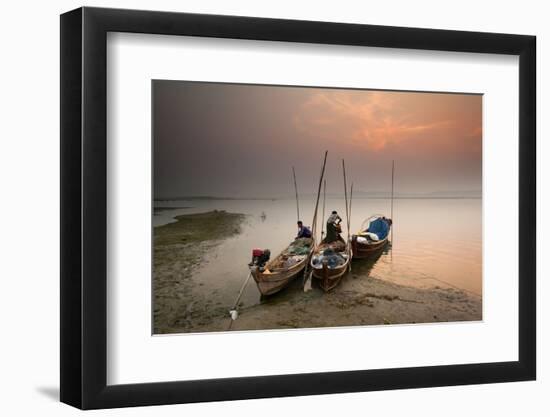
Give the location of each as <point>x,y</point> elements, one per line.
<point>84,207</point>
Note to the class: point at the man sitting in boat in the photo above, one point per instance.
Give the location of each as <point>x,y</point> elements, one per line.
<point>303,231</point>
<point>333,228</point>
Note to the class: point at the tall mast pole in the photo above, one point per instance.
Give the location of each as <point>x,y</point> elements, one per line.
<point>296,190</point>
<point>350,200</point>
<point>307,278</point>
<point>349,224</point>
<point>323,212</point>
<point>346,194</point>
<point>314,222</point>
<point>392,177</point>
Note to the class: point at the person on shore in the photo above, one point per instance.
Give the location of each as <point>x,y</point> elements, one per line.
<point>333,228</point>
<point>303,231</point>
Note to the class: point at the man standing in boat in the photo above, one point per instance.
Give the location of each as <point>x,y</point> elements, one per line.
<point>303,231</point>
<point>333,228</point>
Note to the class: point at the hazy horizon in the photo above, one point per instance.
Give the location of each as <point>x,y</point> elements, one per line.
<point>237,140</point>
<point>356,194</point>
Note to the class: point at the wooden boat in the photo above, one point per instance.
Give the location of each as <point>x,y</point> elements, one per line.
<point>363,245</point>
<point>273,277</point>
<point>328,277</point>
<point>322,261</point>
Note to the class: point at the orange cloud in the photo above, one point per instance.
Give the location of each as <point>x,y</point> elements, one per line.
<point>376,119</point>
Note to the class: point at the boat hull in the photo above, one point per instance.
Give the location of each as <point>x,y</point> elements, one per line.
<point>371,249</point>
<point>274,282</point>
<point>366,250</point>
<point>274,277</point>
<point>329,278</point>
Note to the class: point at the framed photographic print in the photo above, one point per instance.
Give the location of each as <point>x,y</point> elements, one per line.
<point>258,207</point>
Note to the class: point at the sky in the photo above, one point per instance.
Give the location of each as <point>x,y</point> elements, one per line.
<point>239,140</point>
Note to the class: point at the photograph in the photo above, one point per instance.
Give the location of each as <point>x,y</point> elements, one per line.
<point>296,207</point>
<point>236,184</point>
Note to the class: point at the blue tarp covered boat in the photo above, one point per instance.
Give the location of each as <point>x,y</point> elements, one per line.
<point>372,237</point>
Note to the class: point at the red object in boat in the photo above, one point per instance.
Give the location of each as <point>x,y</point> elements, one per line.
<point>257,252</point>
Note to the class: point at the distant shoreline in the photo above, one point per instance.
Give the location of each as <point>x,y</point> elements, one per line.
<point>164,200</point>
<point>161,209</point>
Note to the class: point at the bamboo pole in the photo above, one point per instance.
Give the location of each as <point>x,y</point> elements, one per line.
<point>314,223</point>
<point>350,199</point>
<point>391,210</point>
<point>323,212</point>
<point>236,303</point>
<point>296,190</point>
<point>346,195</point>
<point>349,225</point>
<point>307,278</point>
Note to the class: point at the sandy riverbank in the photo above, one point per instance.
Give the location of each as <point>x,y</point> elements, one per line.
<point>179,248</point>
<point>181,306</point>
<point>368,302</point>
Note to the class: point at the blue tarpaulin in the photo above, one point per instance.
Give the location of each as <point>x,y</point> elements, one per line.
<point>380,228</point>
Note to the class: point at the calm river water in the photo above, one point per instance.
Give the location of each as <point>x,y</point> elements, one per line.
<point>436,242</point>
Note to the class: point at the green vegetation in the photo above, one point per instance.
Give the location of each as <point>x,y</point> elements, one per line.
<point>196,228</point>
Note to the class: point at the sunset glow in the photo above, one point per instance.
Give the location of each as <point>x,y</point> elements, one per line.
<point>250,136</point>
<point>377,120</point>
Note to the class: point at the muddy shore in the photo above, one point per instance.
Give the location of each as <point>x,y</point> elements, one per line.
<point>180,306</point>
<point>362,301</point>
<point>179,248</point>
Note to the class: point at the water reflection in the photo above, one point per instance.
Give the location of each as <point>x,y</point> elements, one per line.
<point>436,242</point>
<point>363,267</point>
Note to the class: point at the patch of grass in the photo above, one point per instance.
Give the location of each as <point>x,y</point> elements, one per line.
<point>195,228</point>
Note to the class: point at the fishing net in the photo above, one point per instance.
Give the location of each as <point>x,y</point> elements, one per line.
<point>287,261</point>
<point>300,246</point>
<point>336,246</point>
<point>333,259</point>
